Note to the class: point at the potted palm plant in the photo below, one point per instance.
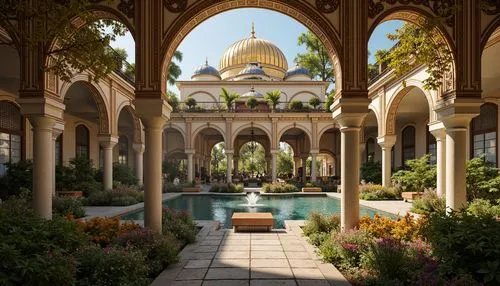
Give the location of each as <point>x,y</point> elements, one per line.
<point>273,98</point>
<point>229,98</point>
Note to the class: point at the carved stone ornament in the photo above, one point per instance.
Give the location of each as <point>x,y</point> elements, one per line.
<point>175,6</point>
<point>441,8</point>
<point>327,6</point>
<point>127,7</point>
<point>491,7</point>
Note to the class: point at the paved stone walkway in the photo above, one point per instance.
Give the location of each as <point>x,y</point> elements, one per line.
<point>226,258</point>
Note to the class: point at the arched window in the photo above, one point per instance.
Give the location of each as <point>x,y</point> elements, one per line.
<point>82,142</point>
<point>408,144</point>
<point>370,150</point>
<point>11,132</point>
<point>123,150</point>
<point>484,133</point>
<point>432,148</point>
<point>58,150</point>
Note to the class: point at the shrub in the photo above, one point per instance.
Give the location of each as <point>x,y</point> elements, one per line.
<point>17,177</point>
<point>466,244</point>
<point>68,206</point>
<point>227,188</point>
<point>296,105</point>
<point>111,266</point>
<point>329,101</point>
<point>481,207</point>
<point>388,259</point>
<point>429,202</point>
<point>482,180</point>
<point>371,172</point>
<point>190,102</point>
<point>419,176</point>
<point>251,102</point>
<point>103,231</point>
<point>404,228</point>
<point>318,228</point>
<point>279,188</point>
<point>101,198</point>
<point>344,249</point>
<point>180,225</point>
<point>171,188</point>
<point>124,174</point>
<point>378,192</point>
<point>314,101</point>
<point>160,249</point>
<point>121,195</point>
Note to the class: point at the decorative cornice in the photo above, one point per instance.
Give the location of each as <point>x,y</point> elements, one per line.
<point>440,8</point>
<point>491,7</point>
<point>175,6</point>
<point>327,6</point>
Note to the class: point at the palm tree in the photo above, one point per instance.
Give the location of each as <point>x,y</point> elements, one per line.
<point>174,70</point>
<point>228,97</point>
<point>273,98</point>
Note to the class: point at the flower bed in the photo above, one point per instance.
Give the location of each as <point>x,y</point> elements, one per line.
<point>456,249</point>
<point>279,188</point>
<point>101,251</point>
<point>372,192</point>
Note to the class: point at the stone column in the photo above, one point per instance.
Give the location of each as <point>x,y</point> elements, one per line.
<point>235,164</point>
<point>153,128</point>
<point>296,165</point>
<point>208,166</point>
<point>139,162</point>
<point>386,143</point>
<point>58,129</point>
<point>304,168</point>
<point>190,167</point>
<point>440,135</point>
<point>108,143</point>
<point>268,166</point>
<point>456,197</point>
<point>313,167</point>
<point>229,166</point>
<point>274,165</point>
<point>42,165</point>
<point>362,149</point>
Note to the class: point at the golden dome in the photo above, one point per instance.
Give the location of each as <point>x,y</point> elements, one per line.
<point>253,50</point>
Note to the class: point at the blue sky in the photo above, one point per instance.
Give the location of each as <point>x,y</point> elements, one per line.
<point>211,38</point>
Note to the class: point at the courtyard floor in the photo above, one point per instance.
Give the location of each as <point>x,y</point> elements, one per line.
<point>225,258</point>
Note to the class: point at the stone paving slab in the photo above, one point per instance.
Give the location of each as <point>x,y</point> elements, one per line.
<point>225,258</point>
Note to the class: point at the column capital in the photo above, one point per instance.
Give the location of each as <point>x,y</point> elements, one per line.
<point>349,112</point>
<point>108,141</point>
<point>151,108</point>
<point>190,151</point>
<point>57,129</point>
<point>314,152</point>
<point>138,147</point>
<point>386,141</point>
<point>459,113</point>
<point>274,152</point>
<point>45,107</point>
<point>229,152</point>
<point>438,130</point>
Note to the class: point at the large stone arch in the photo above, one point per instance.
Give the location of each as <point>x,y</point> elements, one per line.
<point>401,92</point>
<point>283,130</point>
<point>252,125</point>
<point>97,95</point>
<point>417,14</point>
<point>301,92</point>
<point>204,92</point>
<point>207,126</point>
<point>180,130</point>
<point>302,12</point>
<point>136,121</point>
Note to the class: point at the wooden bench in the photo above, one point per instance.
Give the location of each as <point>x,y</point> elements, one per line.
<point>252,221</point>
<point>191,189</point>
<point>410,196</point>
<point>311,190</point>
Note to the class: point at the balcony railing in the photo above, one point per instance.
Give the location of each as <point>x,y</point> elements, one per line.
<point>263,107</point>
<point>124,69</point>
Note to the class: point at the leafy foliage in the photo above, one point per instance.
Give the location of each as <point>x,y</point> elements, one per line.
<point>180,224</point>
<point>405,228</point>
<point>371,172</point>
<point>428,203</point>
<point>71,48</point>
<point>273,98</point>
<point>190,102</point>
<point>466,244</point>
<point>229,98</point>
<point>482,207</point>
<point>420,44</point>
<point>226,188</point>
<point>285,161</point>
<point>482,179</point>
<point>218,162</point>
<point>378,192</point>
<point>68,206</point>
<point>174,70</point>
<point>279,188</point>
<point>296,105</point>
<point>124,174</point>
<point>316,58</point>
<point>173,100</point>
<point>80,175</point>
<point>419,176</point>
<point>251,102</point>
<point>329,101</point>
<point>314,101</point>
<point>252,162</point>
<point>18,178</point>
<point>121,195</point>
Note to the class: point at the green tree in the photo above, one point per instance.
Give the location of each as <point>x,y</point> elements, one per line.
<point>482,179</point>
<point>174,70</point>
<point>273,98</point>
<point>228,97</point>
<point>285,161</point>
<point>314,101</point>
<point>252,162</point>
<point>420,45</point>
<point>172,99</point>
<point>190,102</point>
<point>316,58</point>
<point>419,176</point>
<point>130,70</point>
<point>218,160</point>
<point>252,102</point>
<point>69,48</point>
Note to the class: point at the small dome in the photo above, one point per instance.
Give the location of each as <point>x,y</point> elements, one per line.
<point>252,69</point>
<point>252,93</point>
<point>298,70</point>
<point>206,69</point>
